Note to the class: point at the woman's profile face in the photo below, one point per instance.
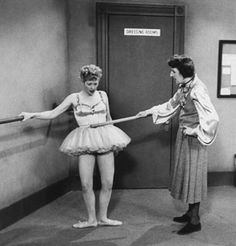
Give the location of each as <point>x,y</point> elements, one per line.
<point>176,75</point>
<point>90,86</point>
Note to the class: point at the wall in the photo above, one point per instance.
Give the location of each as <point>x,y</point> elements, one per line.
<point>207,21</point>
<point>33,54</point>
<point>34,66</point>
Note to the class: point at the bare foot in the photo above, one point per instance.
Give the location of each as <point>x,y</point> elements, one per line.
<point>85,224</point>
<point>109,222</point>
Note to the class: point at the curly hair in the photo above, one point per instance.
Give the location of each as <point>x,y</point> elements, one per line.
<point>90,72</point>
<point>184,64</point>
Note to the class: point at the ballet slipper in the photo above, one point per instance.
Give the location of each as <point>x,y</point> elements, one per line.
<point>109,222</point>
<point>84,224</point>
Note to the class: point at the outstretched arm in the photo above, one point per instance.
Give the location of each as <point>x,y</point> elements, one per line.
<point>50,114</point>
<point>163,112</point>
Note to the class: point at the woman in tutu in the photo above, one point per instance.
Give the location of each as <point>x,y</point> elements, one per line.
<point>90,106</point>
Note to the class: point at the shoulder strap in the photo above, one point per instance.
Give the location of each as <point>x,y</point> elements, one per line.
<point>77,103</point>
<point>102,99</point>
<point>100,93</point>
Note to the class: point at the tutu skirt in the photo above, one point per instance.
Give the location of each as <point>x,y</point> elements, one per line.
<point>87,140</point>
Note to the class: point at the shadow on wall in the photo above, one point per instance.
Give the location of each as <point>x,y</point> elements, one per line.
<point>57,132</point>
<point>234,169</point>
<point>23,147</point>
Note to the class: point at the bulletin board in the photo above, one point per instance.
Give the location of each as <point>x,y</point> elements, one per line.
<point>227,69</point>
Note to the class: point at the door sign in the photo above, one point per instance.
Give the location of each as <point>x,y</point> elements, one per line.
<point>142,32</point>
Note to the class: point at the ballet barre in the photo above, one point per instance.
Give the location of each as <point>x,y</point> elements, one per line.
<point>169,114</point>
<point>162,118</point>
<point>11,119</point>
<point>117,121</point>
<point>20,118</point>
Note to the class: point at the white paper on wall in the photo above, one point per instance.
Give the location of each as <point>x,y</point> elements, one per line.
<point>225,91</point>
<point>233,72</point>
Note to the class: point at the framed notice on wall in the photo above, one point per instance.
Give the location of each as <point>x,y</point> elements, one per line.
<point>227,69</point>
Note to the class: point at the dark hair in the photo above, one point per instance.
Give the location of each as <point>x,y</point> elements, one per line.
<point>90,72</point>
<point>184,64</point>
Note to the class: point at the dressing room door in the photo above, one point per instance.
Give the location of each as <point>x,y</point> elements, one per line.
<point>134,44</point>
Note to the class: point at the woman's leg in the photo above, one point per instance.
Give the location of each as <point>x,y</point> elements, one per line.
<point>193,224</point>
<point>86,168</point>
<point>185,217</point>
<point>106,168</point>
<point>195,218</point>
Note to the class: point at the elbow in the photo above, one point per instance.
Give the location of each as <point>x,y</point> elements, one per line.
<point>47,116</point>
<point>52,116</point>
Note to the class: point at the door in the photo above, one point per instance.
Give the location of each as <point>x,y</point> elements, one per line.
<point>135,44</point>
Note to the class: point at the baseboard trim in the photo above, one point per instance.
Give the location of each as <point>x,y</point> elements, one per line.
<point>22,208</point>
<point>221,178</point>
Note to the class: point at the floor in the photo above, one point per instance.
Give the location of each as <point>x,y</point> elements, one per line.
<point>147,216</point>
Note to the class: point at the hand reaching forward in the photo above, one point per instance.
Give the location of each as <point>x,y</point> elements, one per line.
<point>142,114</point>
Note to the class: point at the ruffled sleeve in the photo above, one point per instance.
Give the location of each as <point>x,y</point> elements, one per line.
<point>163,112</point>
<point>208,118</point>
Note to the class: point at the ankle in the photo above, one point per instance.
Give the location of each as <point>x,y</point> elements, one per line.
<point>195,220</point>
<point>102,218</point>
<point>92,220</point>
<point>189,213</point>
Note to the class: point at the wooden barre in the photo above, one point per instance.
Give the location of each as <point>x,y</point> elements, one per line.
<point>20,118</point>
<point>117,121</point>
<point>163,115</point>
<point>11,119</point>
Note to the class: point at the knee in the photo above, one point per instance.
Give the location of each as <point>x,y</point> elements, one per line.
<point>86,186</point>
<point>107,185</point>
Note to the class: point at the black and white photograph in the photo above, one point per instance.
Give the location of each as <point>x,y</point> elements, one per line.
<point>117,123</point>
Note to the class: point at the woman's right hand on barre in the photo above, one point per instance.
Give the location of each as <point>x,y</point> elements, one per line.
<point>144,113</point>
<point>27,115</point>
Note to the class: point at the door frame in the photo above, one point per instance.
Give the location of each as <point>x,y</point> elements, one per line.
<point>105,10</point>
